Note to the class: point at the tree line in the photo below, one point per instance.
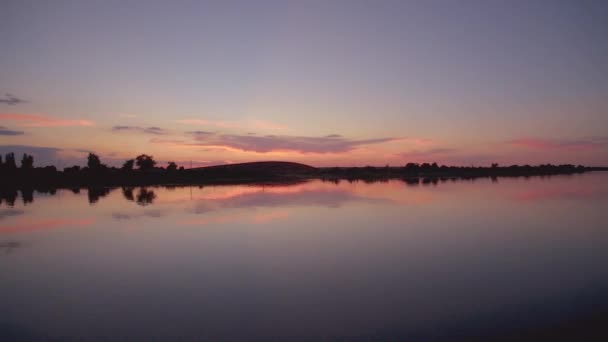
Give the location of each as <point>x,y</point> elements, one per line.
<point>143,170</point>
<point>142,162</point>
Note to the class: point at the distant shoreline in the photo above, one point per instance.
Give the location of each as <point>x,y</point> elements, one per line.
<point>266,172</point>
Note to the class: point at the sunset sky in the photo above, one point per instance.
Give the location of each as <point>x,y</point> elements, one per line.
<point>318,82</point>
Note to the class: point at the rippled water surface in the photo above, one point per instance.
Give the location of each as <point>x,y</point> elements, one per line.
<point>317,260</point>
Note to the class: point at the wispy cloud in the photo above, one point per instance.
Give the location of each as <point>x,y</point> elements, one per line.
<point>11,100</point>
<point>426,155</point>
<point>6,131</point>
<point>253,124</point>
<point>271,143</point>
<point>203,122</point>
<point>268,126</point>
<point>128,115</point>
<point>148,130</point>
<point>198,133</point>
<point>35,120</point>
<point>554,144</point>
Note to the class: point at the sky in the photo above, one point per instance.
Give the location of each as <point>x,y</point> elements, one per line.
<point>319,82</point>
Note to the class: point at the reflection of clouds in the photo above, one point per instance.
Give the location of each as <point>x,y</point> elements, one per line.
<point>7,247</point>
<point>5,213</point>
<point>24,225</point>
<point>545,194</point>
<point>256,218</point>
<point>269,216</point>
<point>145,213</point>
<point>332,198</point>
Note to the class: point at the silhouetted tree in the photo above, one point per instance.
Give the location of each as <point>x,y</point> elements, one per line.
<point>27,162</point>
<point>494,165</point>
<point>71,170</point>
<point>145,162</point>
<point>10,161</point>
<point>172,166</point>
<point>93,162</point>
<point>128,165</point>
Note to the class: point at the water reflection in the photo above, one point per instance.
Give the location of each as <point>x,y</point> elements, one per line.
<point>146,195</point>
<point>127,193</point>
<point>4,213</point>
<point>396,260</point>
<point>333,193</point>
<point>8,247</point>
<point>94,194</point>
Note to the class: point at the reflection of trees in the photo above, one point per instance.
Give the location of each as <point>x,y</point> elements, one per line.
<point>8,195</point>
<point>127,193</point>
<point>27,195</point>
<point>145,196</point>
<point>96,193</point>
<point>412,181</point>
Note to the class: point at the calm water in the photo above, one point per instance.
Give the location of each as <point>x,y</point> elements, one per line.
<point>347,261</point>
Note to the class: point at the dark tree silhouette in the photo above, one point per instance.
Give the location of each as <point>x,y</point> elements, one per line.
<point>128,165</point>
<point>93,162</point>
<point>145,162</point>
<point>27,162</point>
<point>172,166</point>
<point>71,170</point>
<point>10,161</point>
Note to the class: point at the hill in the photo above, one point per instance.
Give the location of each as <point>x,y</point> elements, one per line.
<point>255,170</point>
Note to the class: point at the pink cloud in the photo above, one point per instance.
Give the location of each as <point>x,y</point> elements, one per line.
<point>551,144</point>
<point>35,120</point>
<point>262,125</point>
<point>267,125</point>
<point>273,143</point>
<point>203,122</point>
